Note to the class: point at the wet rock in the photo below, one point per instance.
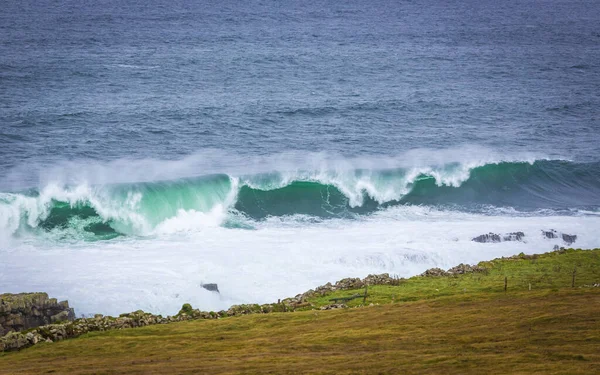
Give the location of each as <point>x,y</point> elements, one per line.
<point>490,237</point>
<point>569,238</point>
<point>515,236</point>
<point>211,287</point>
<point>495,238</point>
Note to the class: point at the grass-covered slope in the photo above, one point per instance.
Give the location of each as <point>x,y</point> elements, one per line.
<point>459,324</point>
<point>551,271</point>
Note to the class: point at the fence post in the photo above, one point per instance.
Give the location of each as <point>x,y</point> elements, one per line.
<point>505,283</point>
<point>365,297</point>
<point>573,282</point>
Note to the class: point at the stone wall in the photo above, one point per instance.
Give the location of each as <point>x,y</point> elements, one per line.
<point>19,312</point>
<point>73,328</point>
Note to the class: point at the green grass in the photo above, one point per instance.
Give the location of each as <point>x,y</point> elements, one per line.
<point>458,324</point>
<point>544,271</point>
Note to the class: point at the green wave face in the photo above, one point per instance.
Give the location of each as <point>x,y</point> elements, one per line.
<point>300,198</point>
<point>106,212</point>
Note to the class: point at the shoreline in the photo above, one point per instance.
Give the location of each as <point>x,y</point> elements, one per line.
<point>320,298</point>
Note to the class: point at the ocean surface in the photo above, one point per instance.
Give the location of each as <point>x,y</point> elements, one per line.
<point>148,147</point>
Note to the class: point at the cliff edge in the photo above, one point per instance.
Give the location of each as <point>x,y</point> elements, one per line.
<point>27,310</point>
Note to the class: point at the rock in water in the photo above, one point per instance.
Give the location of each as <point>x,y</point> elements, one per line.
<point>515,236</point>
<point>211,287</point>
<point>493,237</point>
<point>569,238</point>
<point>549,234</point>
<point>490,237</point>
<point>28,310</point>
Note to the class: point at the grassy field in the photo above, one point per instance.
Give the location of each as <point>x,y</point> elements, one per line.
<point>457,324</point>
<point>551,271</point>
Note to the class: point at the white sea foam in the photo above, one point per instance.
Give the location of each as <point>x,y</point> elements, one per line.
<point>280,258</point>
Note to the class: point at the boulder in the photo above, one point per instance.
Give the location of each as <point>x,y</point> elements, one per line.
<point>485,238</point>
<point>550,234</point>
<point>211,287</point>
<point>495,238</point>
<point>515,236</point>
<point>569,238</point>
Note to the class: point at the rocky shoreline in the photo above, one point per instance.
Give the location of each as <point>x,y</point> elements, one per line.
<point>15,340</point>
<point>552,234</point>
<point>23,306</point>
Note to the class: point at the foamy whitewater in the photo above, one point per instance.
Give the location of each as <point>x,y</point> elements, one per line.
<point>110,245</point>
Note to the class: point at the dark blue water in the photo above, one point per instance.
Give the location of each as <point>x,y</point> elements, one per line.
<point>379,104</point>
<point>111,79</point>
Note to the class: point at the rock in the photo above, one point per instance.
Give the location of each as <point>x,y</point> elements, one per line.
<point>515,236</point>
<point>458,270</point>
<point>14,341</point>
<point>63,315</point>
<point>494,238</point>
<point>434,272</point>
<point>485,238</point>
<point>569,238</point>
<point>465,268</point>
<point>381,279</point>
<point>350,283</point>
<point>549,234</point>
<point>27,310</point>
<point>211,287</point>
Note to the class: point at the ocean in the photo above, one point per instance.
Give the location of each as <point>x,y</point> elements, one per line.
<point>149,147</point>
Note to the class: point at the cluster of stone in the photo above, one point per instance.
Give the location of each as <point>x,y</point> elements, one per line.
<point>61,331</point>
<point>494,237</point>
<point>568,239</point>
<point>26,310</point>
<point>69,329</point>
<point>458,270</point>
<point>350,283</point>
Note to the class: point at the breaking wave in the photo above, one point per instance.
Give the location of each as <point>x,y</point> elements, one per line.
<point>105,211</point>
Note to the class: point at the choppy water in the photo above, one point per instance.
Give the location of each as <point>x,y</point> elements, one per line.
<point>273,146</point>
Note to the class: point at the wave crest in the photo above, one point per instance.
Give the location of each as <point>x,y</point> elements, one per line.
<point>106,211</point>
